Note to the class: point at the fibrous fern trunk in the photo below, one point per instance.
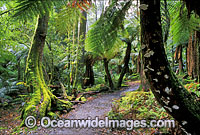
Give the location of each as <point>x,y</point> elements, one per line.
<point>111,85</point>
<point>178,57</point>
<point>89,73</point>
<point>170,93</point>
<point>144,83</point>
<point>42,100</point>
<point>193,56</point>
<point>126,61</point>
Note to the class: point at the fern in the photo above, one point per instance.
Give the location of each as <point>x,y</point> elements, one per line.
<point>66,18</point>
<point>181,25</point>
<point>30,8</point>
<point>102,37</point>
<point>165,18</point>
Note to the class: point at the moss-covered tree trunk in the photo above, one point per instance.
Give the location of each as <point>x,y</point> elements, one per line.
<point>164,84</point>
<point>42,100</point>
<point>126,61</point>
<point>111,85</point>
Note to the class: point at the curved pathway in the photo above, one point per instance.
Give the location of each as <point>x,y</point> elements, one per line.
<point>99,106</point>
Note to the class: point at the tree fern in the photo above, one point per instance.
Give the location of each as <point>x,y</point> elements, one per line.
<point>181,25</point>
<point>29,8</point>
<point>102,37</point>
<point>66,18</point>
<point>165,18</point>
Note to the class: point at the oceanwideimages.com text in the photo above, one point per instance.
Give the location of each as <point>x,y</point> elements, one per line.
<point>46,122</point>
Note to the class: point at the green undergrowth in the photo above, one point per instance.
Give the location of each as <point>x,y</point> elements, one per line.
<point>138,105</point>
<point>81,98</point>
<point>98,87</point>
<point>192,85</point>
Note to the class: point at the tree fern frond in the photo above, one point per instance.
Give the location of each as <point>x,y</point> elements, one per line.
<point>181,25</point>
<point>102,37</point>
<point>29,8</point>
<point>66,18</point>
<point>165,18</point>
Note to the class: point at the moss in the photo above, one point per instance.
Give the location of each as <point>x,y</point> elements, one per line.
<point>70,97</point>
<point>45,105</point>
<point>83,99</point>
<point>63,105</point>
<point>52,115</point>
<point>40,104</point>
<point>78,99</point>
<point>96,87</point>
<point>187,99</point>
<point>42,100</point>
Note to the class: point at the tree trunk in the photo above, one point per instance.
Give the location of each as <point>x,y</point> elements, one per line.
<point>89,74</point>
<point>108,73</point>
<point>63,90</point>
<point>178,58</point>
<point>172,55</point>
<point>144,84</point>
<point>83,24</point>
<point>190,56</point>
<point>198,55</point>
<point>193,56</point>
<point>42,99</point>
<point>19,69</point>
<point>119,69</point>
<point>180,61</point>
<point>126,61</point>
<point>164,84</point>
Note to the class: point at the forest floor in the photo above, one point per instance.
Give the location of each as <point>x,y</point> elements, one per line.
<point>97,106</point>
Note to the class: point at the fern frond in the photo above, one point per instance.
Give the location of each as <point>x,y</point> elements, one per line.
<point>102,37</point>
<point>66,18</point>
<point>181,25</point>
<point>30,8</point>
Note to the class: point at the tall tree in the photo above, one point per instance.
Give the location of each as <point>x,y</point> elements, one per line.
<point>126,61</point>
<point>193,55</point>
<point>131,34</point>
<point>165,86</point>
<point>178,57</point>
<point>184,27</point>
<point>89,74</point>
<point>102,39</point>
<point>42,99</point>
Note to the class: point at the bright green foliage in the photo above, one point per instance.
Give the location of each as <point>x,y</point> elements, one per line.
<point>102,37</point>
<point>66,18</point>
<point>31,8</point>
<point>63,59</point>
<point>15,38</point>
<point>97,88</point>
<point>137,105</point>
<point>165,18</point>
<point>182,25</point>
<point>192,87</point>
<point>81,98</point>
